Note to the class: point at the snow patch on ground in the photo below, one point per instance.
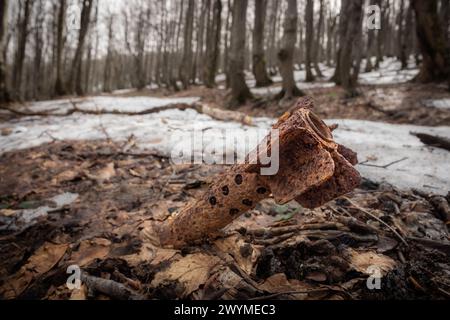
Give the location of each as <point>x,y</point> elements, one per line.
<point>390,72</point>
<point>109,103</point>
<point>381,144</point>
<point>378,144</point>
<point>439,103</point>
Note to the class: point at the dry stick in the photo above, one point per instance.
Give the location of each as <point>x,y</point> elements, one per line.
<point>434,141</point>
<point>378,219</point>
<point>111,288</point>
<point>366,164</point>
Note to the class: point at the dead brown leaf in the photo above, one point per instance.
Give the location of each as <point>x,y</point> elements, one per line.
<point>362,261</point>
<point>43,260</point>
<point>89,250</point>
<point>190,271</point>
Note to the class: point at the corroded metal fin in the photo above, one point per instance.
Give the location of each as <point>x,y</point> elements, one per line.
<point>344,180</point>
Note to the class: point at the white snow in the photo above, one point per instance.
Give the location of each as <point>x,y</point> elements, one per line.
<point>381,144</point>
<point>377,143</point>
<point>439,103</point>
<point>389,73</point>
<point>110,103</point>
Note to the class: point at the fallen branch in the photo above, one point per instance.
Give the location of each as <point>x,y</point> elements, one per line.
<point>110,288</point>
<point>218,114</point>
<point>433,141</point>
<point>366,164</point>
<point>377,219</point>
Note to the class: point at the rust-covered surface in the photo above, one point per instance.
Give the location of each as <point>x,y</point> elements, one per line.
<point>312,171</point>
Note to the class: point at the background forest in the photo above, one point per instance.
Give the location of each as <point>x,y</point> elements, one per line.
<point>99,98</point>
<point>55,48</point>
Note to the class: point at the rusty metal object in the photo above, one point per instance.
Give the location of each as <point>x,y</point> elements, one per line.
<point>311,171</point>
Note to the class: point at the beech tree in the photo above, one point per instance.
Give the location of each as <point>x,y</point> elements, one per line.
<point>309,19</point>
<point>259,59</point>
<point>432,42</point>
<point>286,53</point>
<point>212,58</point>
<point>4,93</point>
<point>347,68</point>
<point>239,89</point>
<point>75,82</point>
<point>187,52</point>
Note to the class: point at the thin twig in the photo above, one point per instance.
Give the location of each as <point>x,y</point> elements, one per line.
<point>377,219</point>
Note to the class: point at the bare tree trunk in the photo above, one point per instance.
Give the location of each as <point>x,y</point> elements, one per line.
<point>239,89</point>
<point>370,37</point>
<point>59,84</point>
<point>75,74</point>
<point>107,76</point>
<point>21,48</point>
<point>227,44</point>
<point>38,50</point>
<point>432,42</point>
<point>350,34</point>
<point>370,45</point>
<point>214,45</point>
<point>445,18</point>
<point>200,40</point>
<point>331,28</point>
<point>275,4</point>
<point>286,54</point>
<point>402,37</point>
<point>309,19</point>
<point>187,52</point>
<point>317,46</point>
<point>301,44</point>
<point>4,93</point>
<point>259,59</point>
<point>380,34</point>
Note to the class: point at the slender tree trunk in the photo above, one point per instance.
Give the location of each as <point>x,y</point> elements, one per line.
<point>107,76</point>
<point>370,37</point>
<point>350,35</point>
<point>309,19</point>
<point>380,34</point>
<point>275,4</point>
<point>38,50</point>
<point>286,54</point>
<point>317,45</point>
<point>259,59</point>
<point>401,37</point>
<point>75,74</point>
<point>445,18</point>
<point>301,44</point>
<point>330,31</point>
<point>187,52</point>
<point>239,89</point>
<point>21,49</point>
<point>200,41</point>
<point>227,44</point>
<point>59,84</point>
<point>433,45</point>
<point>214,45</point>
<point>4,93</point>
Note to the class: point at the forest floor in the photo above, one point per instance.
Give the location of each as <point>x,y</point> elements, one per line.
<point>83,190</point>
